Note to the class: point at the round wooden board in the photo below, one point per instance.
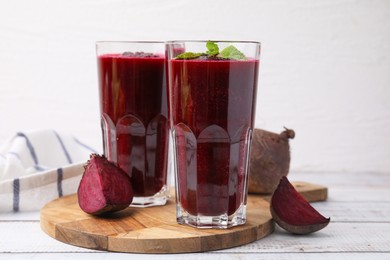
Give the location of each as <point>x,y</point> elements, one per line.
<point>154,229</point>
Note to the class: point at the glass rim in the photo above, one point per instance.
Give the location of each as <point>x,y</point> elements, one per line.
<point>125,41</point>
<point>175,41</point>
<point>216,41</point>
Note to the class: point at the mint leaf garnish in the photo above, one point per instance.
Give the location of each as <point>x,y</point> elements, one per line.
<point>212,48</point>
<point>189,55</point>
<point>231,52</point>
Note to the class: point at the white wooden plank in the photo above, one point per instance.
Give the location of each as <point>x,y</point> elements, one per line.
<point>20,216</point>
<point>217,255</point>
<point>19,237</point>
<point>337,237</point>
<point>370,186</point>
<point>360,193</point>
<point>344,179</point>
<point>365,211</point>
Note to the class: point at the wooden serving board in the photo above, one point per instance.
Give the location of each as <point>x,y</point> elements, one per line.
<point>154,229</point>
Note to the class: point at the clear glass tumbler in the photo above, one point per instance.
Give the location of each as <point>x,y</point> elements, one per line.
<point>212,102</point>
<point>134,120</point>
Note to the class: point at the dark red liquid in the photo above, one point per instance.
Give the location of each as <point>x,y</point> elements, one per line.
<point>212,110</point>
<point>133,107</point>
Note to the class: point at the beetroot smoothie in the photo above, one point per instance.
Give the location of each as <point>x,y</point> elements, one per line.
<point>212,105</point>
<point>134,117</point>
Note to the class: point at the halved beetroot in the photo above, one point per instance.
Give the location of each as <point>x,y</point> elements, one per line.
<point>104,187</point>
<point>292,212</point>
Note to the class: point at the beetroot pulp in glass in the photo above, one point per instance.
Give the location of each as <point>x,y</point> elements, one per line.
<point>212,107</point>
<point>133,106</point>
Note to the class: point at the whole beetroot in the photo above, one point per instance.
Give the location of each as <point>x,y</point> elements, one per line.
<point>269,160</point>
<point>104,187</point>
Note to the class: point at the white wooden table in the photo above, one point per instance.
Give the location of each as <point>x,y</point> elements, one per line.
<point>358,204</point>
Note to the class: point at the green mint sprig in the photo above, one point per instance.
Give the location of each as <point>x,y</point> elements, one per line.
<point>188,55</point>
<point>212,48</point>
<point>230,52</point>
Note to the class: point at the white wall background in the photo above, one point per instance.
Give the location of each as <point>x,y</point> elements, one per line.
<point>325,67</point>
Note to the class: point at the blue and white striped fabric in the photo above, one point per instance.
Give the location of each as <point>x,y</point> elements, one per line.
<point>39,166</point>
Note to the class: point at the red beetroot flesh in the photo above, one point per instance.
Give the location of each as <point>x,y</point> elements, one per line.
<point>292,212</point>
<point>104,187</point>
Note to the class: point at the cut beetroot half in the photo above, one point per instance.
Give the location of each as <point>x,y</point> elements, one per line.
<point>104,187</point>
<point>292,212</point>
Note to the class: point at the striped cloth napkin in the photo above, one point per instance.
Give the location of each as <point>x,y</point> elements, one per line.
<point>39,166</point>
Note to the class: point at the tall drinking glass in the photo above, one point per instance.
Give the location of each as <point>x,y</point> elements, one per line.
<point>133,106</point>
<point>212,101</point>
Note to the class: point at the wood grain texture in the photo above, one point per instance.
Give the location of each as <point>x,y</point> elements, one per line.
<point>154,229</point>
